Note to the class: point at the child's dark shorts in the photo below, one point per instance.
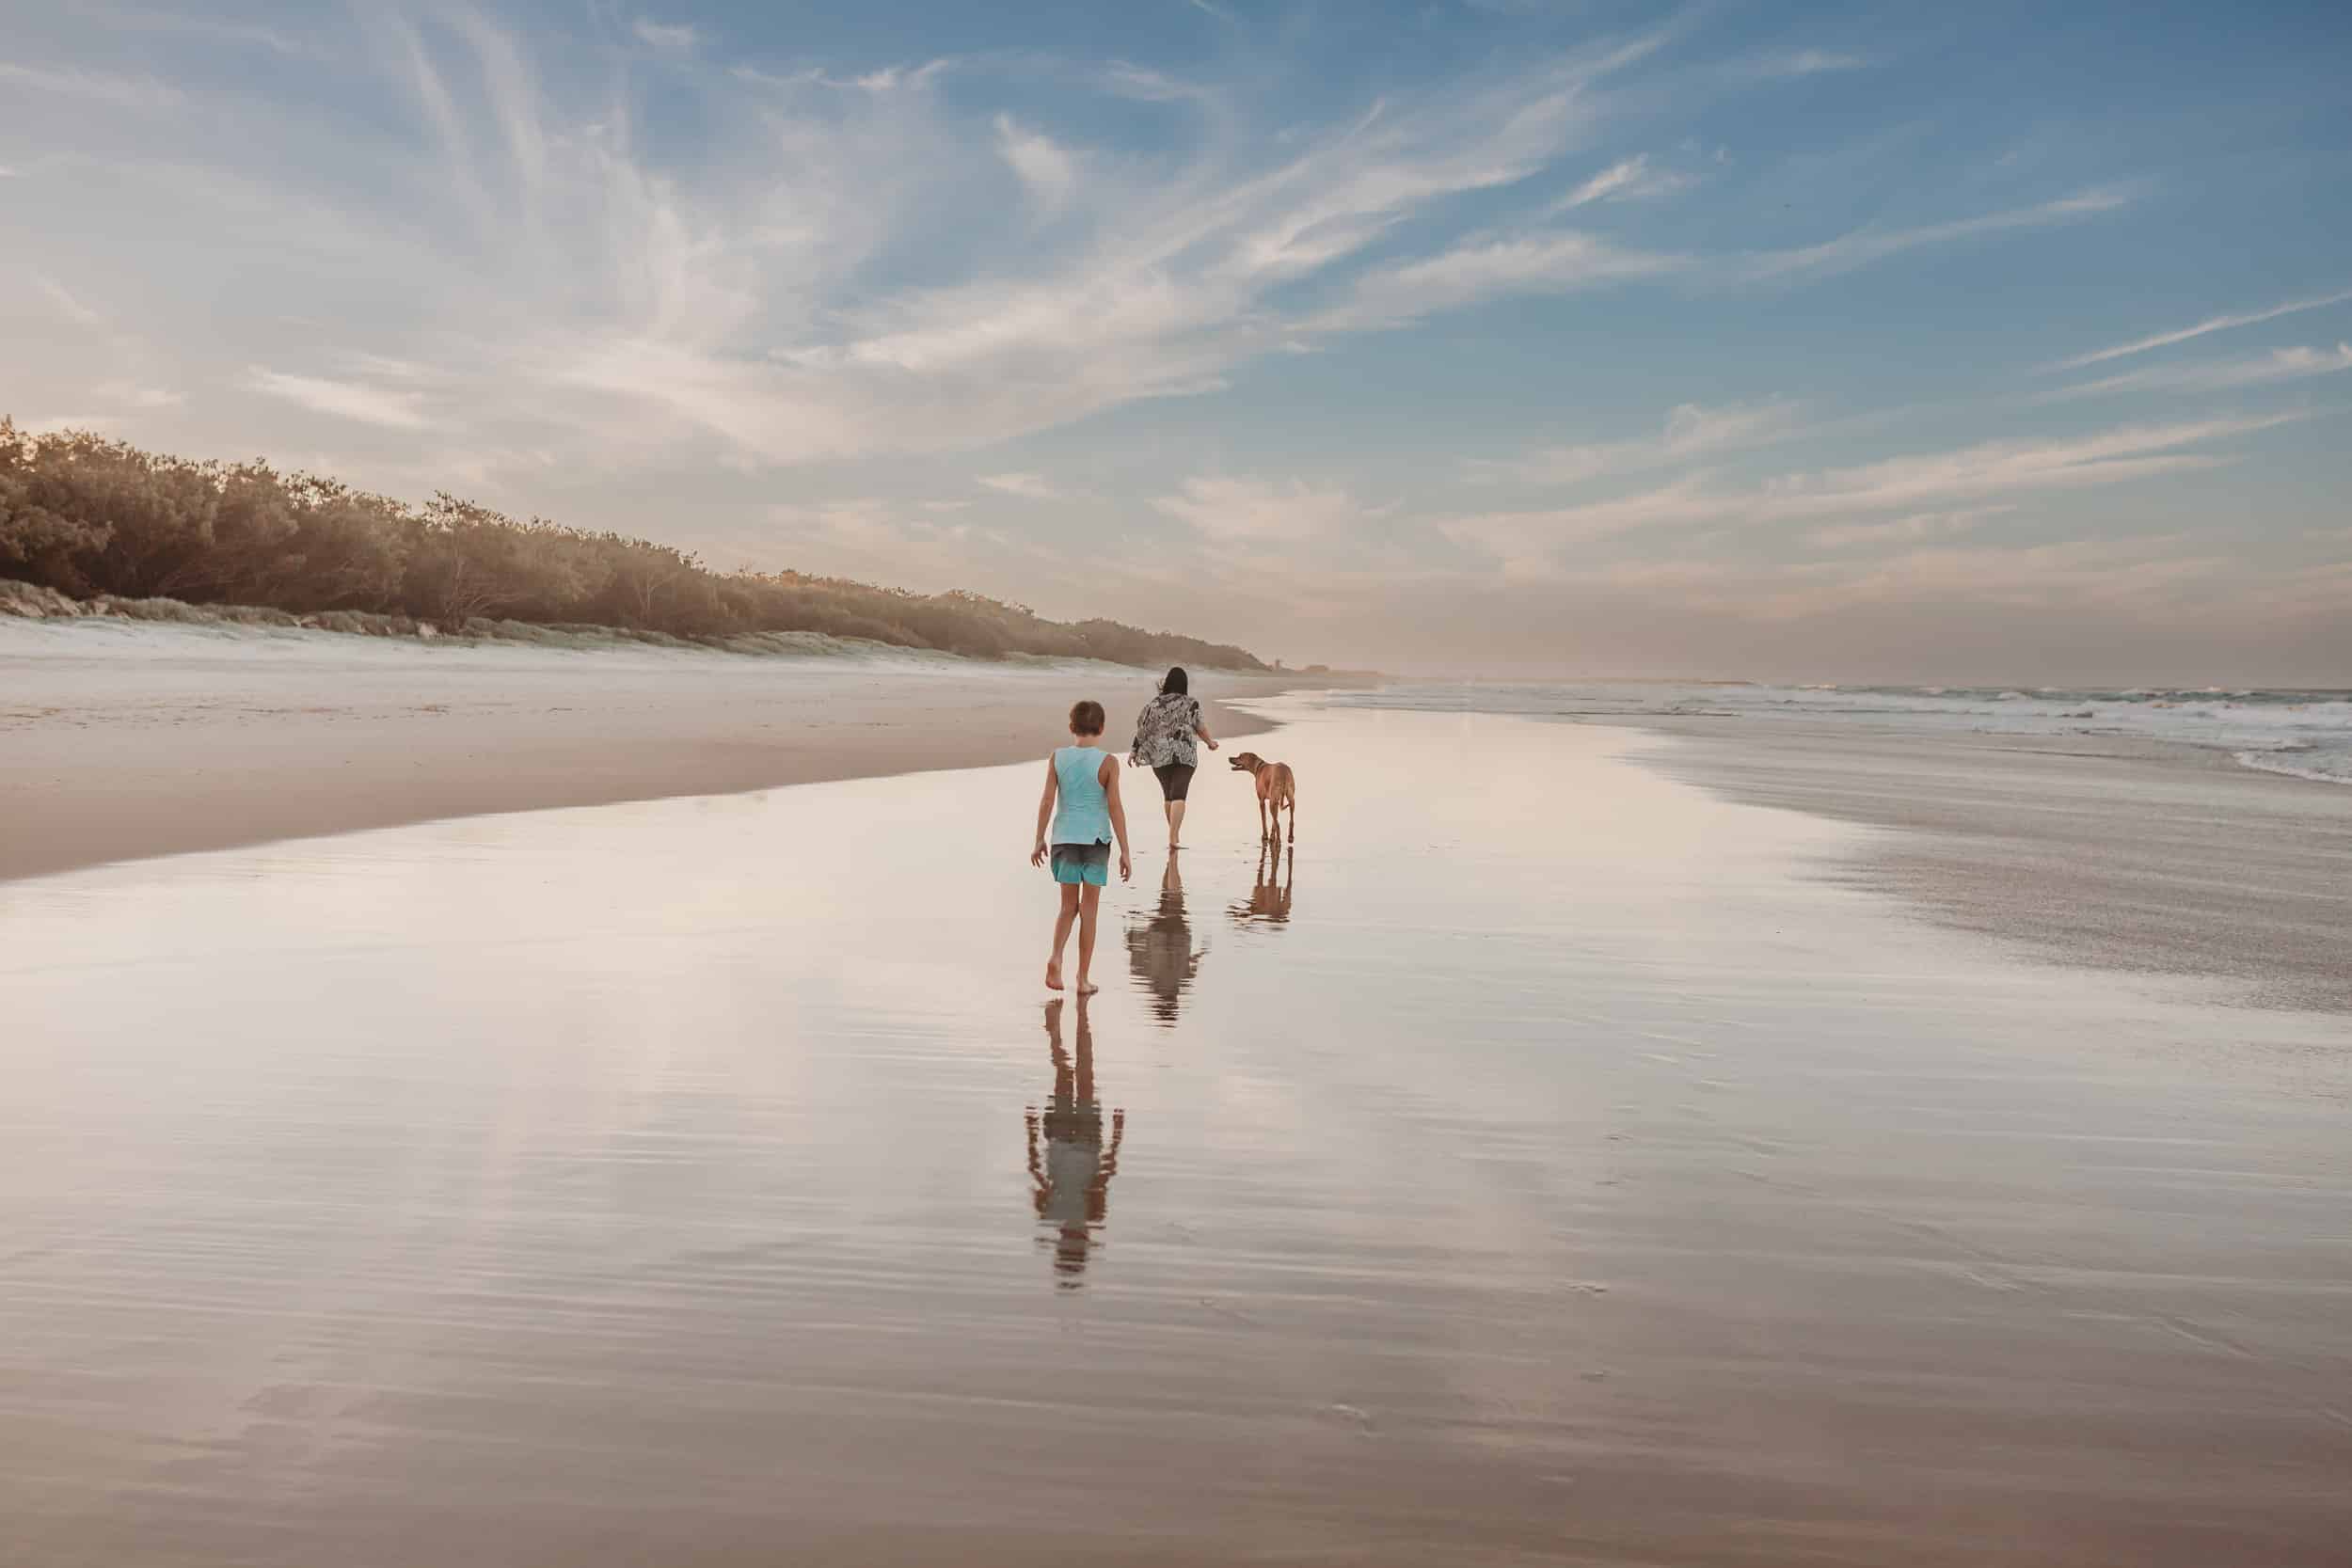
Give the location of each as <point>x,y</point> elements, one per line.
<point>1082,862</point>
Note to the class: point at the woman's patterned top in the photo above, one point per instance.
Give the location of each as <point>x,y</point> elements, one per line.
<point>1164,730</point>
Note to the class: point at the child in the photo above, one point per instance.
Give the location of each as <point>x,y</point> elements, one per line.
<point>1085,780</point>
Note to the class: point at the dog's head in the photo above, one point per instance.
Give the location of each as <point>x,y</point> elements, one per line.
<point>1247,762</point>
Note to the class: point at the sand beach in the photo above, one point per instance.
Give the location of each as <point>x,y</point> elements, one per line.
<point>1548,1161</point>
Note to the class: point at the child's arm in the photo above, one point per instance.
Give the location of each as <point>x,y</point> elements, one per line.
<point>1044,814</point>
<point>1119,816</point>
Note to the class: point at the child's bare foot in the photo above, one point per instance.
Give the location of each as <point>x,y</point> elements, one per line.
<point>1053,976</point>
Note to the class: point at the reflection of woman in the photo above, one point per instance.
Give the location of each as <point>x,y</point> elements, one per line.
<point>1160,950</point>
<point>1164,732</point>
<point>1071,1175</point>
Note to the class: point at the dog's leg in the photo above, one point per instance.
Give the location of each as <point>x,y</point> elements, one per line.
<point>1293,814</point>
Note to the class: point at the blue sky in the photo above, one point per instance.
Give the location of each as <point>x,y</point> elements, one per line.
<point>2001,342</point>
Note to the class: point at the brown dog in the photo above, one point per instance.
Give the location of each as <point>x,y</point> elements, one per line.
<point>1278,786</point>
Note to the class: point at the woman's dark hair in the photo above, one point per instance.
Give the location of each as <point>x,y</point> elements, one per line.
<point>1085,718</point>
<point>1175,684</point>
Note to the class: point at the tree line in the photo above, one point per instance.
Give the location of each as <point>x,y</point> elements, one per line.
<point>85,516</point>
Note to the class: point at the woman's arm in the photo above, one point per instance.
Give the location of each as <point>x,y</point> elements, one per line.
<point>1137,744</point>
<point>1201,727</point>
<point>1044,814</point>
<point>1119,816</point>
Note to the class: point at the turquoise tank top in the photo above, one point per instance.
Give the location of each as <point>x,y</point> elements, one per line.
<point>1082,813</point>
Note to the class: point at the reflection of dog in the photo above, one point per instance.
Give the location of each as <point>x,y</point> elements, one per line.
<point>1278,786</point>
<point>1270,900</point>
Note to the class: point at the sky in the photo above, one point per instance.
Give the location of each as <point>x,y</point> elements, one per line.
<point>2002,342</point>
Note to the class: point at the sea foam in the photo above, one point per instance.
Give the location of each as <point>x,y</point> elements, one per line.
<point>2305,733</point>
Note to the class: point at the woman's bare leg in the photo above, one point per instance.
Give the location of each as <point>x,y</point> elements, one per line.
<point>1067,913</point>
<point>1089,902</point>
<point>1175,823</point>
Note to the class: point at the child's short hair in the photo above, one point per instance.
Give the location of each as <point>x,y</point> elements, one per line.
<point>1085,718</point>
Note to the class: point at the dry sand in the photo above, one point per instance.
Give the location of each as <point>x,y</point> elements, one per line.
<point>120,741</point>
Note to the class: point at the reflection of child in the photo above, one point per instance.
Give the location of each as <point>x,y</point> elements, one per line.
<point>1071,1173</point>
<point>1082,798</point>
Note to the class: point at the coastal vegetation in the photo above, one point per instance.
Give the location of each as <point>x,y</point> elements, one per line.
<point>101,521</point>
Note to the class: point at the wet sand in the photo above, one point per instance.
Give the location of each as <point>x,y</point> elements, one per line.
<point>124,740</point>
<point>1541,1165</point>
<point>2132,855</point>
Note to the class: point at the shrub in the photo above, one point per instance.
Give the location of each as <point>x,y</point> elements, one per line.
<point>89,517</point>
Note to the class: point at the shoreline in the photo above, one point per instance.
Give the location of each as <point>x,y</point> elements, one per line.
<point>164,740</point>
<point>2140,856</point>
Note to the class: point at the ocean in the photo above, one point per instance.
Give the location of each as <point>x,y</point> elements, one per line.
<point>2307,734</point>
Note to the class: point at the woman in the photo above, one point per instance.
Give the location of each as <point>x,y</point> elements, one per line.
<point>1165,732</point>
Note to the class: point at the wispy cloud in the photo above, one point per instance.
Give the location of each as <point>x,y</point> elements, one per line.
<point>872,82</point>
<point>1525,541</point>
<point>596,297</point>
<point>2140,576</point>
<point>130,394</point>
<point>67,305</point>
<point>1125,79</point>
<point>1903,530</point>
<point>1989,467</point>
<point>1173,290</point>
<point>1555,262</point>
<point>1262,511</point>
<point>880,537</point>
<point>1047,170</point>
<point>1804,62</point>
<point>254,35</point>
<point>2212,323</point>
<point>1626,179</point>
<point>1691,432</point>
<point>120,92</point>
<point>2281,364</point>
<point>679,36</point>
<point>348,400</point>
<point>1865,246</point>
<point>1034,487</point>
